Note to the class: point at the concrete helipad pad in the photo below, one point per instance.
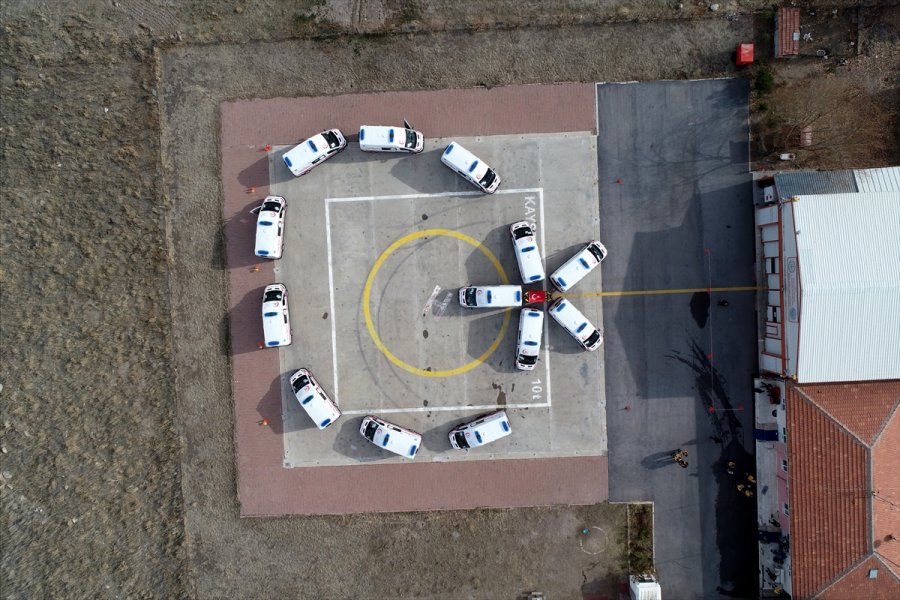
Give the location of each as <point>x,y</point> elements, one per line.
<point>377,246</point>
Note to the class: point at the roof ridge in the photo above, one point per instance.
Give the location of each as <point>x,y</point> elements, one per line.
<point>840,576</point>
<point>887,563</point>
<point>884,423</point>
<point>831,417</point>
<point>870,554</point>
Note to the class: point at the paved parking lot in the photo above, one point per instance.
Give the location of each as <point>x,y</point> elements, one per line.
<point>675,201</point>
<point>376,248</point>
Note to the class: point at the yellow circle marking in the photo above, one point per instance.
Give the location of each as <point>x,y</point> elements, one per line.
<point>367,292</point>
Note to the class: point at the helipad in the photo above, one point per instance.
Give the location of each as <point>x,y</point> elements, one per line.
<point>376,248</point>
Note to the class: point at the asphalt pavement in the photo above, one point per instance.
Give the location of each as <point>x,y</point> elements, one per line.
<point>676,215</point>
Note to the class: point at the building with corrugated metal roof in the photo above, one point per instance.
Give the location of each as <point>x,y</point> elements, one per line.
<point>826,426</point>
<point>831,256</point>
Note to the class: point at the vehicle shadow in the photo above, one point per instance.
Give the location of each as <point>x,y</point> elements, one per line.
<point>435,438</point>
<point>563,343</point>
<point>280,174</point>
<point>245,324</point>
<point>483,328</point>
<point>269,407</point>
<point>426,174</point>
<point>240,233</point>
<point>257,174</point>
<point>481,271</point>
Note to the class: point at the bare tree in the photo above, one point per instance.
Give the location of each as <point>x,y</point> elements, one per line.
<point>851,127</point>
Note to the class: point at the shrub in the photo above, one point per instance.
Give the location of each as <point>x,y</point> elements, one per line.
<point>765,81</point>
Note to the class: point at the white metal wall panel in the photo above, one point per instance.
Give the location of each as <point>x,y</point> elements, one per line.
<point>769,233</point>
<point>772,345</point>
<point>767,215</point>
<point>773,299</point>
<point>773,281</point>
<point>769,363</point>
<point>848,248</point>
<point>770,249</point>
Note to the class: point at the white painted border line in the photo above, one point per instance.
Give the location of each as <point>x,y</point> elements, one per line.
<point>421,409</point>
<point>436,195</point>
<point>334,366</point>
<point>328,201</point>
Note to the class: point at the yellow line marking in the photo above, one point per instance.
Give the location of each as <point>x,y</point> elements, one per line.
<point>749,288</point>
<point>367,293</point>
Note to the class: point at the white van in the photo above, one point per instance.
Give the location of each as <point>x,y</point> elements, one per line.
<point>276,321</point>
<point>528,255</point>
<point>531,329</point>
<point>304,156</point>
<point>483,430</point>
<point>379,138</point>
<point>471,168</point>
<point>320,408</point>
<point>270,227</point>
<point>490,296</point>
<point>575,269</point>
<point>565,313</point>
<point>390,437</point>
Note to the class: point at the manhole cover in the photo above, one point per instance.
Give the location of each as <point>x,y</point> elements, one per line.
<point>594,541</point>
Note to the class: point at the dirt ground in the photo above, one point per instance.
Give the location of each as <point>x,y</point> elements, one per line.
<point>116,461</point>
<point>849,99</point>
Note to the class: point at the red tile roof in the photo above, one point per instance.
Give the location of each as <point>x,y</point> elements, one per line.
<point>856,583</point>
<point>828,503</point>
<point>831,498</point>
<point>787,32</point>
<point>863,408</point>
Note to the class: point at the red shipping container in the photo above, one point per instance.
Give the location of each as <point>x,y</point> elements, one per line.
<point>743,55</point>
